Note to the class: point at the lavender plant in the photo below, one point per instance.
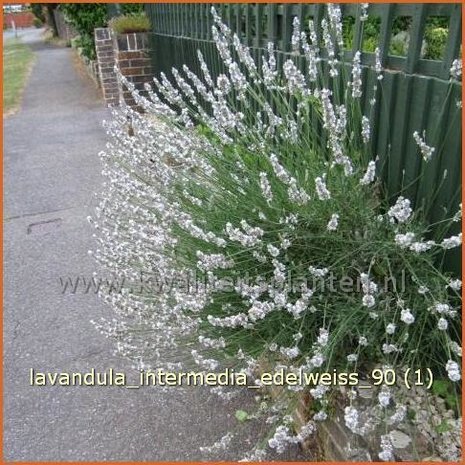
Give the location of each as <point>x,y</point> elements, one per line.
<point>258,189</point>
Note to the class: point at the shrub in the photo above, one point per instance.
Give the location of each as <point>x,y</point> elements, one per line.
<point>132,8</point>
<point>258,190</point>
<point>436,39</point>
<point>37,10</point>
<point>37,22</point>
<point>85,17</point>
<point>130,23</point>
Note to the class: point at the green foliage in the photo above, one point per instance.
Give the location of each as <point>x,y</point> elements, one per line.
<point>401,23</point>
<point>241,415</point>
<point>446,390</point>
<point>131,8</point>
<point>130,23</point>
<point>37,22</point>
<point>434,41</point>
<point>436,38</point>
<point>37,10</point>
<point>85,17</point>
<point>399,44</point>
<point>443,427</point>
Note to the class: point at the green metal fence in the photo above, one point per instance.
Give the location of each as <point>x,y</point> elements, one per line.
<point>415,94</point>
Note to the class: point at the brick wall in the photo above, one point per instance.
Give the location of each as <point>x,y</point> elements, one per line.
<point>130,53</point>
<point>21,19</point>
<point>132,57</point>
<point>106,63</point>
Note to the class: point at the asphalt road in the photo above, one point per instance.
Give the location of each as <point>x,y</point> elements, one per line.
<point>51,171</point>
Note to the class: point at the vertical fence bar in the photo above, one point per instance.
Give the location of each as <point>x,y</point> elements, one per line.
<point>358,31</point>
<point>416,38</point>
<point>258,25</point>
<point>248,24</point>
<point>286,28</point>
<point>387,18</point>
<point>239,20</point>
<point>319,14</point>
<point>454,40</point>
<point>272,22</point>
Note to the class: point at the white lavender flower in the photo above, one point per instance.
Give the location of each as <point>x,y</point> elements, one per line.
<point>209,262</point>
<point>407,316</point>
<point>453,371</point>
<point>370,174</point>
<point>321,189</point>
<point>419,247</point>
<point>455,284</point>
<point>281,439</point>
<point>221,445</point>
<point>212,343</point>
<point>243,53</point>
<point>384,397</point>
<point>297,194</point>
<point>456,69</point>
<point>386,453</point>
<point>306,430</point>
<point>317,360</point>
<point>205,70</point>
<point>389,348</point>
<point>398,415</point>
<point>320,416</point>
<point>318,272</point>
<point>333,222</point>
<point>368,286</point>
<point>323,337</point>
<point>249,237</point>
<point>368,301</point>
<point>269,70</point>
<point>330,48</point>
<point>356,76</point>
<point>319,391</point>
<point>442,324</point>
<point>455,348</point>
<point>295,38</point>
<point>401,211</point>
<point>390,328</point>
<point>442,309</point>
<point>378,65</point>
<point>452,242</point>
<point>404,240</point>
<point>290,352</point>
<point>294,78</point>
<point>423,290</point>
<point>351,418</point>
<point>366,130</point>
<point>426,150</point>
<point>352,358</point>
<point>272,250</point>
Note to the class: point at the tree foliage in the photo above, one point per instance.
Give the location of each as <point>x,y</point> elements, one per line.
<point>85,17</point>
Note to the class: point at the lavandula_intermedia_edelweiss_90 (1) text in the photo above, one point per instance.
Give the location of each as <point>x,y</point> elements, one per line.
<point>267,173</point>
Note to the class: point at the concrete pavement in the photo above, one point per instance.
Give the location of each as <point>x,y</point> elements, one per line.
<point>51,171</point>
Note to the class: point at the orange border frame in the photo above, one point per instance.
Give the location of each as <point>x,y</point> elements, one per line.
<point>1,229</point>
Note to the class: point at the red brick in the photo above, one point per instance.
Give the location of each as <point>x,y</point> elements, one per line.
<point>133,71</point>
